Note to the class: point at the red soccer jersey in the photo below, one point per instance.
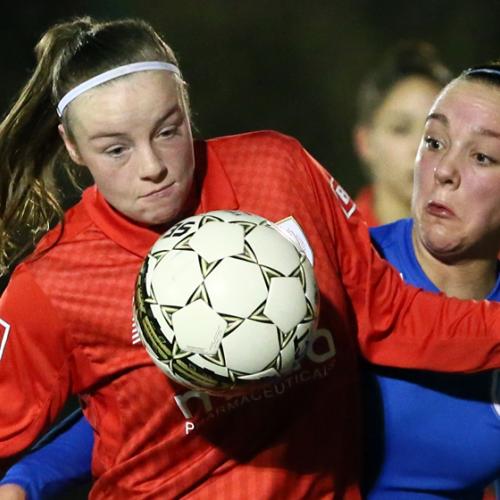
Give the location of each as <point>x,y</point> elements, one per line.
<point>65,322</point>
<point>366,205</point>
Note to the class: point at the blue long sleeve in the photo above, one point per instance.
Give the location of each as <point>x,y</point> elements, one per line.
<point>60,460</point>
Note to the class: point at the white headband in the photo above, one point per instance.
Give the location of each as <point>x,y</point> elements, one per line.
<point>111,75</point>
<point>479,70</point>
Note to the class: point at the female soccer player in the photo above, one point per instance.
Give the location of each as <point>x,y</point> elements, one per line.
<point>114,93</point>
<point>393,102</point>
<point>436,435</point>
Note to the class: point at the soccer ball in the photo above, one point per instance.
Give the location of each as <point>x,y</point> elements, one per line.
<point>225,301</point>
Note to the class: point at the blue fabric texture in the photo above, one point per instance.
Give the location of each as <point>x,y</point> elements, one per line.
<point>59,461</point>
<point>429,435</point>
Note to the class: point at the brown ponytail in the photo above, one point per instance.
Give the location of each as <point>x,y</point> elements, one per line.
<point>31,152</point>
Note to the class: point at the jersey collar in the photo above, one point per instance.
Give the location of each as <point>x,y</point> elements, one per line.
<point>214,192</point>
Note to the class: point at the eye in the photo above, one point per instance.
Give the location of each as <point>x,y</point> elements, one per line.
<point>167,132</point>
<point>115,151</point>
<point>432,144</point>
<point>485,160</point>
<point>400,129</point>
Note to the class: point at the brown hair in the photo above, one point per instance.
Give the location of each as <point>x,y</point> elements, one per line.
<point>403,60</point>
<point>31,151</point>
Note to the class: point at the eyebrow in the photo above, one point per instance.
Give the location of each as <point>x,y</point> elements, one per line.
<point>439,117</point>
<point>488,132</point>
<point>171,111</point>
<point>480,130</point>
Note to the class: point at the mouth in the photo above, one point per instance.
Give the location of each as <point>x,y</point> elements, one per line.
<point>162,191</point>
<point>439,210</point>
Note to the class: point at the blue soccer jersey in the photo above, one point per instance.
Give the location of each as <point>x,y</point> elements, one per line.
<point>429,435</point>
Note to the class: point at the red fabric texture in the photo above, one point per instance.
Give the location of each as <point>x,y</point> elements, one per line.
<point>69,311</point>
<point>366,205</point>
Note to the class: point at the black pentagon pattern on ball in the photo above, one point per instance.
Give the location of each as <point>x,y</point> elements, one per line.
<point>177,361</point>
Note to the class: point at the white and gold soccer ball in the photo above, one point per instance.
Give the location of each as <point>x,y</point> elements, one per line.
<point>224,301</point>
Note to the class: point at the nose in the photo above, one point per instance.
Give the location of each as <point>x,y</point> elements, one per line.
<point>151,165</point>
<point>447,171</point>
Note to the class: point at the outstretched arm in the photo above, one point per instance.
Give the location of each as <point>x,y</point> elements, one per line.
<point>399,325</point>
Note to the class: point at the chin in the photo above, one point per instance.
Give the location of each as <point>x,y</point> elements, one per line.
<point>148,219</point>
<point>443,249</point>
<point>163,218</point>
<point>158,221</point>
<point>440,240</point>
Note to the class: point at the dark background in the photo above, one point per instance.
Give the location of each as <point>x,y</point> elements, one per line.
<point>290,65</point>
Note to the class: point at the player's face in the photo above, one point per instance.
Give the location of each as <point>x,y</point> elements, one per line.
<point>393,137</point>
<point>135,138</point>
<point>456,200</point>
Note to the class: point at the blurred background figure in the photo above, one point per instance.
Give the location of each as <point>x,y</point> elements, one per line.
<point>393,102</point>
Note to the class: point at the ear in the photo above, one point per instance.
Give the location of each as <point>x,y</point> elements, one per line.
<point>361,139</point>
<point>70,145</point>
